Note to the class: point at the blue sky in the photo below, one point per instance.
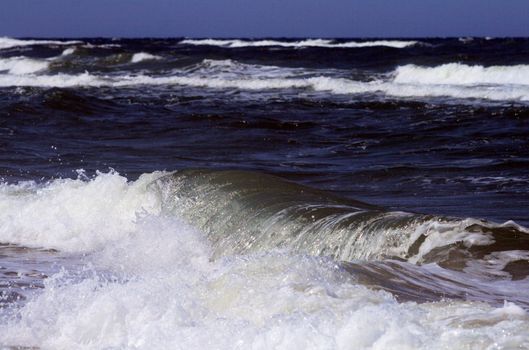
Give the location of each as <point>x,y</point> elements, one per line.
<point>263,18</point>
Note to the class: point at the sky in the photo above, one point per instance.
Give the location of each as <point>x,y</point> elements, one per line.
<point>263,18</point>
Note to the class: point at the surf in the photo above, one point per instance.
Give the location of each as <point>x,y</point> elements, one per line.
<point>228,254</point>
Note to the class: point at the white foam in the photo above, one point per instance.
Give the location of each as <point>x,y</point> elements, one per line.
<point>237,43</point>
<point>398,89</point>
<point>462,74</point>
<point>220,63</point>
<point>510,310</point>
<point>87,79</point>
<point>7,43</point>
<point>73,215</point>
<point>493,264</point>
<point>143,56</point>
<point>57,80</point>
<point>399,44</point>
<point>322,84</point>
<point>442,234</point>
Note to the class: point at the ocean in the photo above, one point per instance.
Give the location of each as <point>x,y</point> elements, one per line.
<point>264,193</point>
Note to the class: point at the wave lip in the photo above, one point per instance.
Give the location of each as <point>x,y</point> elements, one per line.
<point>7,43</point>
<point>244,211</point>
<point>324,43</point>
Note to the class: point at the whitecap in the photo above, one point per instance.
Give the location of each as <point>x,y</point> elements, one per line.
<point>143,56</point>
<point>462,74</point>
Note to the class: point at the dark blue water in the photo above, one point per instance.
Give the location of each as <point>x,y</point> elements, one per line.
<point>443,154</point>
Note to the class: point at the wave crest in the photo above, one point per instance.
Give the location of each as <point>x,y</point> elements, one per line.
<point>243,212</point>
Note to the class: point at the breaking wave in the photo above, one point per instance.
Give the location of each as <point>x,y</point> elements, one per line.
<point>160,265</point>
<point>241,212</point>
<point>264,212</point>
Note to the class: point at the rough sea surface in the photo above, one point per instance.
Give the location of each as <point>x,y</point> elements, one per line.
<point>264,193</point>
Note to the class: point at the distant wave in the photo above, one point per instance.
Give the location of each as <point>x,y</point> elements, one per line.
<point>449,80</point>
<point>322,84</point>
<point>102,46</point>
<point>236,43</point>
<point>466,39</point>
<point>6,43</point>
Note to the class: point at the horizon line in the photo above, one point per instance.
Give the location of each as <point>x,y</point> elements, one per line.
<point>268,37</point>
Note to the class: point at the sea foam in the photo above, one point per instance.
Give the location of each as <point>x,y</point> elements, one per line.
<point>73,215</point>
